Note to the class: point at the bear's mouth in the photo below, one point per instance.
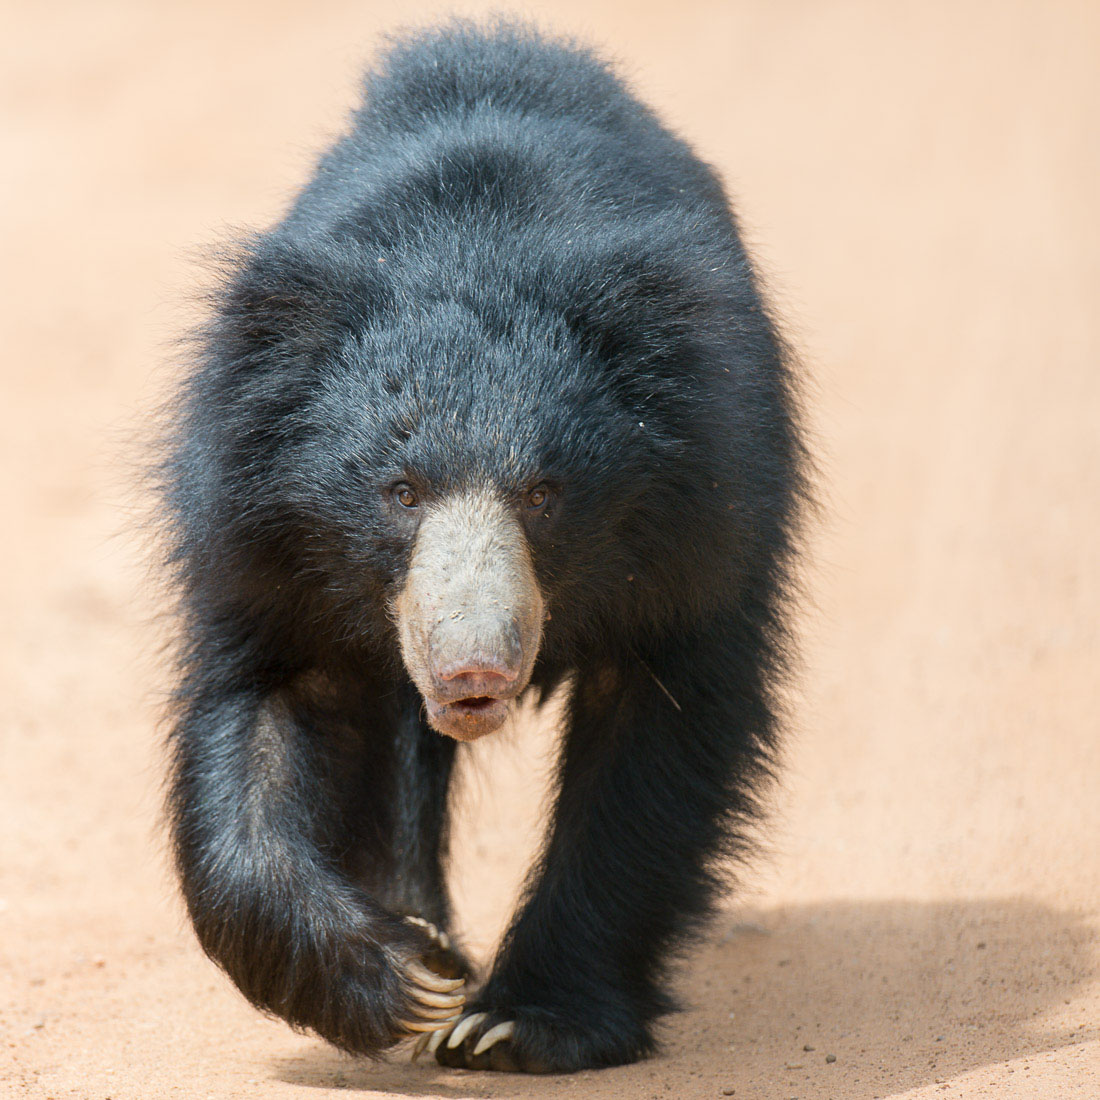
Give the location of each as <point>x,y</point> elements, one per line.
<point>469,718</point>
<point>474,703</point>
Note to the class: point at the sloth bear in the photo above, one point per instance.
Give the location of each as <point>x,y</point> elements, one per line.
<point>495,409</point>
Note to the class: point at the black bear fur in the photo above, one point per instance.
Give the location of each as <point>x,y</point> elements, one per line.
<point>506,269</point>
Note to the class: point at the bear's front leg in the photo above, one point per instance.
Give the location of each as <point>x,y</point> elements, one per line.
<point>262,810</point>
<point>658,768</point>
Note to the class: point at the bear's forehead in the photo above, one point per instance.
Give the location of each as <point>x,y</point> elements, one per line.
<point>451,412</point>
<point>498,435</point>
<point>447,381</point>
<point>461,347</point>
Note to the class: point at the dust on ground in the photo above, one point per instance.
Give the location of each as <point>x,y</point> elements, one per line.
<point>920,181</point>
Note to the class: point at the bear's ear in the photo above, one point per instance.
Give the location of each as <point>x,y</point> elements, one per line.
<point>281,301</point>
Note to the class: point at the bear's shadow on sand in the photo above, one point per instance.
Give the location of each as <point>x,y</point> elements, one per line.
<point>903,993</point>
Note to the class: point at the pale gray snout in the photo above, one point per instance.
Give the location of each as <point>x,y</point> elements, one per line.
<point>484,657</point>
<point>470,614</point>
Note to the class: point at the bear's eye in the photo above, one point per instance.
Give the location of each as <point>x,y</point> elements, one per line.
<point>538,497</point>
<point>405,496</point>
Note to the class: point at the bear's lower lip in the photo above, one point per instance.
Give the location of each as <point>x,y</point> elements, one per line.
<point>468,719</point>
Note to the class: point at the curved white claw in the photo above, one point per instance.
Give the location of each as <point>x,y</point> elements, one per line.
<point>464,1027</point>
<point>439,1000</point>
<point>436,1038</point>
<point>425,924</point>
<point>494,1035</point>
<point>452,1012</point>
<point>430,1040</point>
<point>428,1025</point>
<point>424,977</point>
<point>441,938</point>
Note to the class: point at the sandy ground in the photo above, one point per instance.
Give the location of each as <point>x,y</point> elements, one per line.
<point>921,183</point>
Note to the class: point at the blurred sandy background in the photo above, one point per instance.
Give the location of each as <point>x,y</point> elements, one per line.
<point>921,184</point>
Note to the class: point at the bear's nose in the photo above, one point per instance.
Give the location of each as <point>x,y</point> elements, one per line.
<point>472,657</point>
<point>477,680</point>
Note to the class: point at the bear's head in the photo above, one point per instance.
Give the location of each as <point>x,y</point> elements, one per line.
<point>452,468</point>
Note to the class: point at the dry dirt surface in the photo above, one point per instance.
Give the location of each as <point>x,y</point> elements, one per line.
<point>921,184</point>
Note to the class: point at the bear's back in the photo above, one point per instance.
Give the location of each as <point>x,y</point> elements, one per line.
<point>544,126</point>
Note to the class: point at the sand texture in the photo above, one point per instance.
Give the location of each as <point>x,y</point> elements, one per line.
<point>920,182</point>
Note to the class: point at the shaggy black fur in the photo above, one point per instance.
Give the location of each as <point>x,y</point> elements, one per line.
<point>506,272</point>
